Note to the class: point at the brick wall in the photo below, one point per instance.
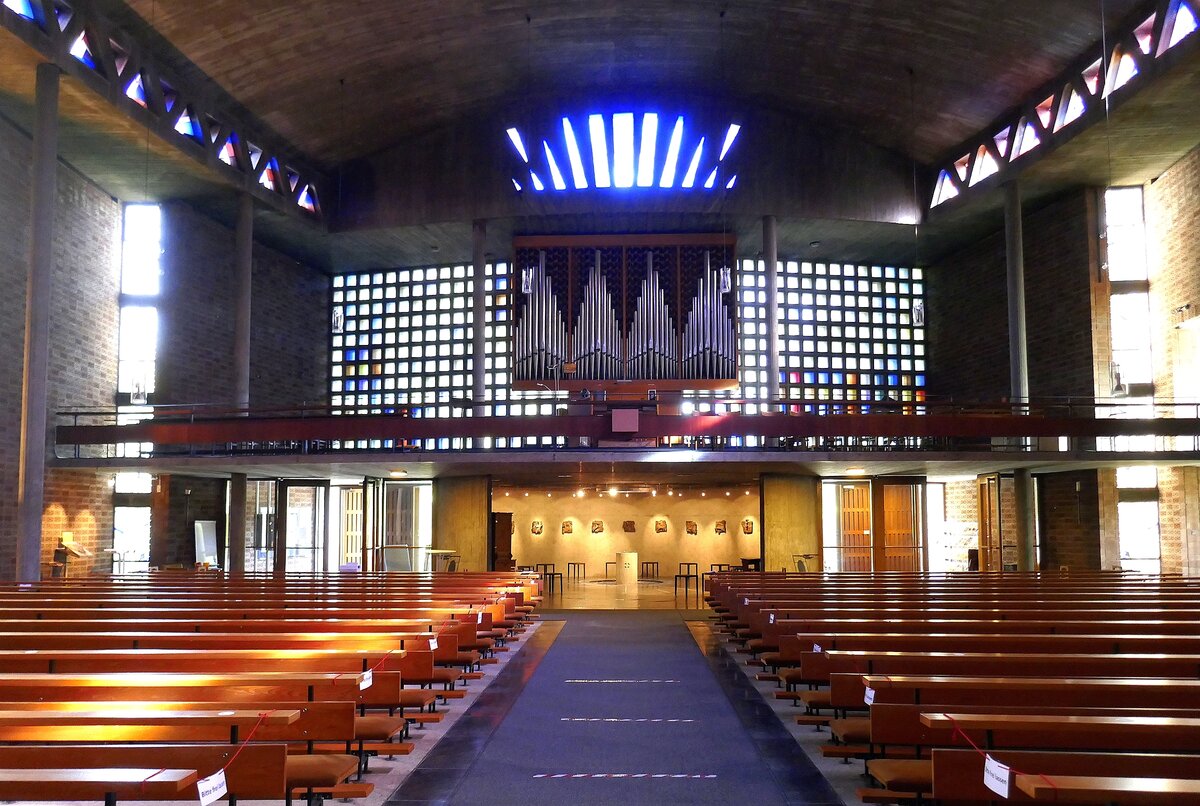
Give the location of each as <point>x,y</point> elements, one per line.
<point>82,366</point>
<point>1173,234</point>
<point>288,354</point>
<point>968,309</point>
<point>1069,520</point>
<point>177,503</point>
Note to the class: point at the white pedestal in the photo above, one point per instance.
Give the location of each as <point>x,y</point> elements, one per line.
<point>627,573</point>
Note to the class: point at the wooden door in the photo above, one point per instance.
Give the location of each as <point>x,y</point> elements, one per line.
<point>901,528</point>
<point>990,552</point>
<point>352,524</point>
<point>854,542</point>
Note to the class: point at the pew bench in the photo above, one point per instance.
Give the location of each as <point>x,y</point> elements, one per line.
<point>958,773</point>
<point>1132,791</point>
<point>106,784</point>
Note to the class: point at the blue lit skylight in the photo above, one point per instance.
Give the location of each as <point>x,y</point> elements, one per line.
<point>730,136</point>
<point>632,157</point>
<point>515,136</point>
<point>599,150</point>
<point>645,171</point>
<point>574,156</point>
<point>668,172</point>
<point>556,177</point>
<point>622,173</point>
<point>689,178</point>
<point>22,7</point>
<point>732,180</point>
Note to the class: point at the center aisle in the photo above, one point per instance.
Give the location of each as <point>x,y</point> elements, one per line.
<point>624,707</point>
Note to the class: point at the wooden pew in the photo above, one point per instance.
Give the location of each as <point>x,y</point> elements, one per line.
<point>258,772</point>
<point>1131,791</point>
<point>329,727</point>
<point>958,773</point>
<point>1037,730</point>
<point>103,784</point>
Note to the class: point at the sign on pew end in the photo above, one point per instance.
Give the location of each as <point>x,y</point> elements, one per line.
<point>996,776</point>
<point>212,788</point>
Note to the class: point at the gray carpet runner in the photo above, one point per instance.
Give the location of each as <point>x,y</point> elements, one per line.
<point>623,708</point>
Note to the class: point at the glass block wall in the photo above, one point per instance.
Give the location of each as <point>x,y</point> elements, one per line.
<point>851,337</point>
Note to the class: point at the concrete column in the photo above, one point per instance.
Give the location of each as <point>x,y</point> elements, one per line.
<point>478,317</point>
<point>1024,495</point>
<point>1018,358</point>
<point>34,396</point>
<point>243,251</point>
<point>243,270</point>
<point>771,259</point>
<point>235,540</point>
<point>1018,363</point>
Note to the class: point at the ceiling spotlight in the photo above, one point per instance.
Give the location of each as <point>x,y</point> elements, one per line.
<point>702,493</point>
<point>670,492</point>
<point>856,471</point>
<point>653,493</point>
<point>626,495</point>
<point>582,493</point>
<point>399,474</point>
<point>526,495</point>
<point>728,493</point>
<point>747,492</point>
<point>506,493</point>
<point>549,495</point>
<point>612,491</point>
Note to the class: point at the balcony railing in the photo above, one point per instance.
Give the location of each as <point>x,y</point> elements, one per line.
<point>1075,425</point>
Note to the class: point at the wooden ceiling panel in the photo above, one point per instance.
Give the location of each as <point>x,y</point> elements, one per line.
<point>413,66</point>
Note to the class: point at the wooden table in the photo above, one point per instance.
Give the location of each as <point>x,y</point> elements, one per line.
<point>1097,789</point>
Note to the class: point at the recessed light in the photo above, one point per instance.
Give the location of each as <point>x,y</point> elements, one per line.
<point>728,493</point>
<point>612,491</point>
<point>399,474</point>
<point>856,471</point>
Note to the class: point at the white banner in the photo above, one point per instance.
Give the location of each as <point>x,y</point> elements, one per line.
<point>433,645</point>
<point>366,680</point>
<point>996,776</point>
<point>869,696</point>
<point>212,788</point>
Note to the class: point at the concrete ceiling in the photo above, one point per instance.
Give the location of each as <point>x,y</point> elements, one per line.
<point>414,68</point>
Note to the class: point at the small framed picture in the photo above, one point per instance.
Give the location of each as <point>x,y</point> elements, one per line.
<point>720,527</point>
<point>692,528</point>
<point>660,526</point>
<point>628,526</point>
<point>536,527</point>
<point>597,527</point>
<point>568,527</point>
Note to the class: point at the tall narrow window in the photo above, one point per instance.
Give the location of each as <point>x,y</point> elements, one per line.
<point>137,349</point>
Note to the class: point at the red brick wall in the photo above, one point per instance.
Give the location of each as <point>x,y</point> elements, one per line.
<point>968,313</point>
<point>83,336</point>
<point>1069,520</point>
<point>178,502</point>
<point>288,355</point>
<point>1173,232</point>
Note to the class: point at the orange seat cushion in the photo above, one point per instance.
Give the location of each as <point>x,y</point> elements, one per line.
<point>319,769</point>
<point>903,774</point>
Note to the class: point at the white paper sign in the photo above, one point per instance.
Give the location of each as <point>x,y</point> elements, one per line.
<point>817,648</point>
<point>433,645</point>
<point>746,601</point>
<point>869,696</point>
<point>212,788</point>
<point>480,619</point>
<point>996,776</point>
<point>366,680</point>
<point>771,618</point>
